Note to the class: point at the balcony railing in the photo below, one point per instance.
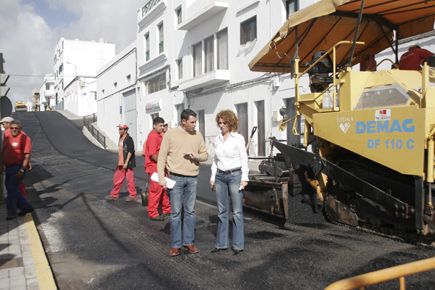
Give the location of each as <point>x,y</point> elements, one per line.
<point>148,6</point>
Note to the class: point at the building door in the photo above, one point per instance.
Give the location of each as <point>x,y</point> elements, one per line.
<point>291,138</point>
<point>179,108</point>
<point>201,122</point>
<point>242,114</point>
<point>130,114</point>
<point>261,132</point>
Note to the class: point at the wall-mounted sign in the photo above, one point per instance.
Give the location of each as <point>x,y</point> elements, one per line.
<point>153,106</point>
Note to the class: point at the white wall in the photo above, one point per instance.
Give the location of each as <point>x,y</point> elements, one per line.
<point>121,70</point>
<point>77,58</point>
<point>46,92</point>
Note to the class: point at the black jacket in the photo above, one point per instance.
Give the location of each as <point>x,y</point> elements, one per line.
<point>128,146</point>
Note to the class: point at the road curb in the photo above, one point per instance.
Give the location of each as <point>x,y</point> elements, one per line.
<point>43,270</point>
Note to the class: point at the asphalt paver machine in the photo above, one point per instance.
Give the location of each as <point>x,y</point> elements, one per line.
<point>368,150</point>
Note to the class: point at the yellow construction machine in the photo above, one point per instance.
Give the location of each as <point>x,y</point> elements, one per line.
<point>20,106</point>
<point>368,149</point>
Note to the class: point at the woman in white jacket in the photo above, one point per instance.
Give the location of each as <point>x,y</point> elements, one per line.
<point>229,176</point>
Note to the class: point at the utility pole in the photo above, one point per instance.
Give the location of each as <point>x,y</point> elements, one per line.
<point>2,178</point>
<point>3,113</point>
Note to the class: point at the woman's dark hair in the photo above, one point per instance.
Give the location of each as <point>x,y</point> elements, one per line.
<point>158,120</point>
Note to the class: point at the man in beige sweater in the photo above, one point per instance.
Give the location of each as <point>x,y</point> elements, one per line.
<point>181,151</point>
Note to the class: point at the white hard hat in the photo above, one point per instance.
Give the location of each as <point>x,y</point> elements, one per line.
<point>6,119</point>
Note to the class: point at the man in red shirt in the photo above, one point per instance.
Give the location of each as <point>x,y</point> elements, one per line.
<point>124,169</point>
<point>6,123</point>
<point>157,194</point>
<point>414,58</point>
<point>16,151</point>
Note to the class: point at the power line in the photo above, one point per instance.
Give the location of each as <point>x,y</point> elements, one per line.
<point>35,76</point>
<point>23,75</point>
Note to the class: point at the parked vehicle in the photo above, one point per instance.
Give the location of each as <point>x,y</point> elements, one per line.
<point>20,106</point>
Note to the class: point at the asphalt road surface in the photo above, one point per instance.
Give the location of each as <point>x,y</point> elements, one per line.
<point>95,244</point>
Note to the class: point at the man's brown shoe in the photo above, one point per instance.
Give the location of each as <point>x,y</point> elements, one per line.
<point>191,249</point>
<point>174,252</point>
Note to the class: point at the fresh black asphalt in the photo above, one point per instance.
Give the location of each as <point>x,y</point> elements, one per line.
<point>95,244</point>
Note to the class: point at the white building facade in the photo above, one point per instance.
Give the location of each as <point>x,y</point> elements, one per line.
<point>77,61</point>
<point>195,54</point>
<point>222,37</point>
<point>116,94</point>
<point>46,92</point>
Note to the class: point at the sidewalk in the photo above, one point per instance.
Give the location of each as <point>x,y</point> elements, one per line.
<point>23,263</point>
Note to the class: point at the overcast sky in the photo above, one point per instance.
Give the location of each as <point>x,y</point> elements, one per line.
<point>30,30</point>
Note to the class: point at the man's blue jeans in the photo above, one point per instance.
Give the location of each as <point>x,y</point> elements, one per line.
<point>15,198</point>
<point>183,197</point>
<point>227,187</point>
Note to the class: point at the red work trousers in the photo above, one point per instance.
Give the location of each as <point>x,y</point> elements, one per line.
<point>157,195</point>
<point>22,189</point>
<point>118,180</point>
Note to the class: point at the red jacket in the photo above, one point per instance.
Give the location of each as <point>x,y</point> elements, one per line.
<point>413,58</point>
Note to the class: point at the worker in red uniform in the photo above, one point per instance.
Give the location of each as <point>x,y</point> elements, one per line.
<point>6,123</point>
<point>124,168</point>
<point>157,195</point>
<point>16,151</point>
<point>414,58</point>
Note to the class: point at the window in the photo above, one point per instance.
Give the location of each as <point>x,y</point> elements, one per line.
<point>115,84</point>
<point>291,6</point>
<point>161,43</point>
<point>153,116</point>
<point>179,15</point>
<point>180,68</point>
<point>248,30</point>
<point>47,86</point>
<point>209,54</point>
<point>222,49</point>
<point>157,83</point>
<point>197,59</point>
<point>179,108</point>
<point>128,77</point>
<point>147,47</point>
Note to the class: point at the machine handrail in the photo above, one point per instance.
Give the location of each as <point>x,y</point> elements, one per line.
<point>384,275</point>
<point>334,67</point>
<point>334,80</point>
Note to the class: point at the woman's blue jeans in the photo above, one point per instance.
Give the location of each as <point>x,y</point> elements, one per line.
<point>227,187</point>
<point>183,197</point>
